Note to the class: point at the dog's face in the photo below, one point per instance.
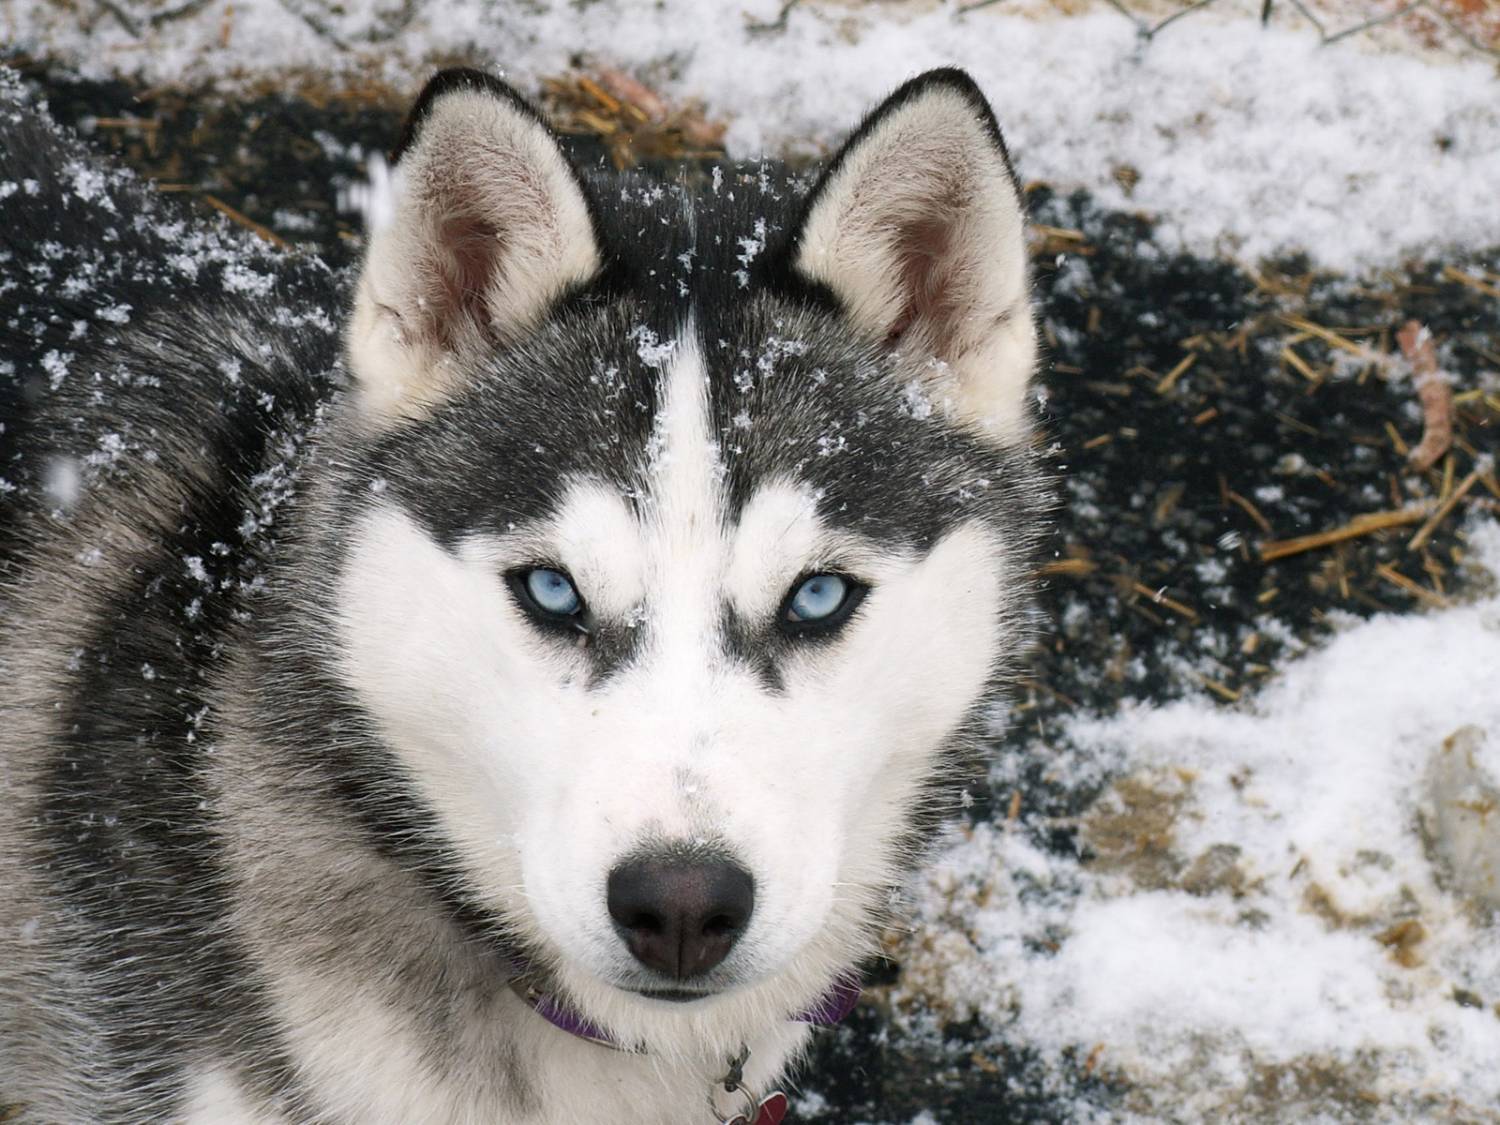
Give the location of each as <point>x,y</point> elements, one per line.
<point>687,539</point>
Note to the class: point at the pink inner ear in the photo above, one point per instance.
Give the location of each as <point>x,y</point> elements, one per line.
<point>462,267</point>
<point>926,273</point>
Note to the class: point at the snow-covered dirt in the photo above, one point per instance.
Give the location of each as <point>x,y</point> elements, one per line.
<point>1280,909</point>
<point>1239,857</point>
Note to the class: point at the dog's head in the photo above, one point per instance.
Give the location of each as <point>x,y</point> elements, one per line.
<point>686,536</point>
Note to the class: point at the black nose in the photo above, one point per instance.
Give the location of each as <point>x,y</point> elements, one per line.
<point>680,916</point>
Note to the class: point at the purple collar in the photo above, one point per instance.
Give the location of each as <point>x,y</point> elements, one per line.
<point>828,1010</point>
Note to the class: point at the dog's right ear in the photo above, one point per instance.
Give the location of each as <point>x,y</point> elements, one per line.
<point>490,226</point>
<point>917,228</point>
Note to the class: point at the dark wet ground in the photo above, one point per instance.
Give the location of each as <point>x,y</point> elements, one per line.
<point>1170,482</point>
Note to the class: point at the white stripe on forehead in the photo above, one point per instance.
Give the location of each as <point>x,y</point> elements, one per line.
<point>684,505</point>
<point>686,473</point>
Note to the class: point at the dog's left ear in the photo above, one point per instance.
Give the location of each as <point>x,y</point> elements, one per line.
<point>917,228</point>
<point>490,224</point>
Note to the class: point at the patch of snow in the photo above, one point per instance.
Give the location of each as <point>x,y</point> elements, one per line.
<point>1269,907</point>
<point>654,353</point>
<point>375,199</point>
<point>63,480</point>
<point>55,364</point>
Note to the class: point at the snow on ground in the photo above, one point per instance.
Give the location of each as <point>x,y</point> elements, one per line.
<point>1284,909</point>
<point>1248,140</point>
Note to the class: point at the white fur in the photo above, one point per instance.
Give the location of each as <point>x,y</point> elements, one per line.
<point>214,1098</point>
<point>479,166</point>
<point>929,182</point>
<point>376,1074</point>
<point>545,783</point>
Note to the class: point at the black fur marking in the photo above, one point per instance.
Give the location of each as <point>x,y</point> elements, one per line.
<point>127,822</point>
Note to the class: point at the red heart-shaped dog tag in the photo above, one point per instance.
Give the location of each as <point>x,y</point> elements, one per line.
<point>772,1109</point>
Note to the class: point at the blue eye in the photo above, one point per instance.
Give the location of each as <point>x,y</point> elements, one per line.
<point>552,592</point>
<point>823,599</point>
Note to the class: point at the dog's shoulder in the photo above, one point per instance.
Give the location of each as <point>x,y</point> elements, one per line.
<point>136,333</point>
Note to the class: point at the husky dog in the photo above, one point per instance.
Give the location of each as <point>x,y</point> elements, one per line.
<point>510,688</point>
